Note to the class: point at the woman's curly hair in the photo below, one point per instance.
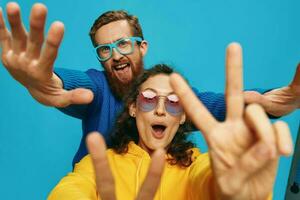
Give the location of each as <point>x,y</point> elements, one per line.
<point>125,129</point>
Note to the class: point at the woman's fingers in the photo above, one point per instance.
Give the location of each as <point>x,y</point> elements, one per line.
<point>193,107</point>
<point>104,178</point>
<point>260,125</point>
<point>152,180</point>
<point>234,82</point>
<point>283,138</point>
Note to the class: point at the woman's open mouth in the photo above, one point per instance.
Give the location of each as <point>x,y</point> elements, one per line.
<point>158,130</point>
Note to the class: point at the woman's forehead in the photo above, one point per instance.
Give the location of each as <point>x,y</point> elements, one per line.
<point>159,83</point>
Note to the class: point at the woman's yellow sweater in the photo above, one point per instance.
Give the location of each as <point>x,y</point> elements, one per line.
<point>129,171</point>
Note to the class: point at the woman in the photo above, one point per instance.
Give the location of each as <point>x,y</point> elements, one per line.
<point>153,118</point>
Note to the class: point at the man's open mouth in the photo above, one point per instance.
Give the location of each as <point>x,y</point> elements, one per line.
<point>121,66</point>
<point>123,72</point>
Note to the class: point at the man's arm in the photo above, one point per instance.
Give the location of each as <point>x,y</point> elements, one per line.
<point>281,101</point>
<point>73,79</point>
<point>29,57</point>
<point>276,102</point>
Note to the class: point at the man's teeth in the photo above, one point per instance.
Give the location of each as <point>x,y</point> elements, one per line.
<point>120,66</point>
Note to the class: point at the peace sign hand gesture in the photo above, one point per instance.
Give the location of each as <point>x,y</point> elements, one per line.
<point>104,178</point>
<point>245,148</point>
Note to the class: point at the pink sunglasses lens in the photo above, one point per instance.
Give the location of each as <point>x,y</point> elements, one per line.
<point>148,100</point>
<point>173,106</point>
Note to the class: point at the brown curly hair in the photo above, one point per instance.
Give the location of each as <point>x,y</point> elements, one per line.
<point>126,130</point>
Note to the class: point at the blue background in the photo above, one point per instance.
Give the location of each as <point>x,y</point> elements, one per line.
<point>37,143</point>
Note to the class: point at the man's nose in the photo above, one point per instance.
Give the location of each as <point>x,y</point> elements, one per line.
<point>116,55</point>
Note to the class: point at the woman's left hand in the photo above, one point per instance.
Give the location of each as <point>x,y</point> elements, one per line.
<point>245,148</point>
<point>104,178</point>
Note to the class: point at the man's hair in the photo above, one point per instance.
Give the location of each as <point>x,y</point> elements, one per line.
<point>116,15</point>
<point>125,129</point>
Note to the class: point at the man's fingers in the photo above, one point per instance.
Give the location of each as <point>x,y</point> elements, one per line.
<point>104,178</point>
<point>260,124</point>
<point>5,39</point>
<point>18,31</point>
<point>234,81</point>
<point>283,138</point>
<point>193,107</point>
<point>152,180</point>
<point>65,98</point>
<point>253,97</point>
<point>36,34</point>
<point>50,50</point>
<point>81,96</point>
<point>296,80</point>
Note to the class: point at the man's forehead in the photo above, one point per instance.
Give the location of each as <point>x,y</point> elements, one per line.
<point>113,31</point>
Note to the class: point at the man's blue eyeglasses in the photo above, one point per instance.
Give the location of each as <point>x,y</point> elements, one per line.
<point>124,46</point>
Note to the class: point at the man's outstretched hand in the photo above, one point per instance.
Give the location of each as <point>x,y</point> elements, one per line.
<point>29,57</point>
<point>281,101</point>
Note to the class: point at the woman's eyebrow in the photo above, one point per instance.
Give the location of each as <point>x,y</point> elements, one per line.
<point>158,93</point>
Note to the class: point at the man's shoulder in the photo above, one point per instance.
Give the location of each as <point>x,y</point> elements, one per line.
<point>97,75</point>
<point>94,71</point>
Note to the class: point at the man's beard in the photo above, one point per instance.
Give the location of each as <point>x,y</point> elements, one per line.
<point>118,88</point>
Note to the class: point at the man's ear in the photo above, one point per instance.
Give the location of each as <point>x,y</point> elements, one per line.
<point>182,119</point>
<point>144,47</point>
<point>132,109</point>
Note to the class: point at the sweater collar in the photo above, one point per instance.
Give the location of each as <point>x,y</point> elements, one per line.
<point>137,150</point>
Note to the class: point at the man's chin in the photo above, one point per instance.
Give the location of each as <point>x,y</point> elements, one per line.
<point>124,81</point>
<point>119,87</point>
<point>120,81</point>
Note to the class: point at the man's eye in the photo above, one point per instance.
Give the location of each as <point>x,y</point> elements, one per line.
<point>123,43</point>
<point>105,49</point>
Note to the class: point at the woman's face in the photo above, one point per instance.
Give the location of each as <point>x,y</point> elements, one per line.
<point>158,113</point>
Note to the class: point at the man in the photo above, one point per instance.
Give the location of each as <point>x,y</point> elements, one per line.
<point>95,96</point>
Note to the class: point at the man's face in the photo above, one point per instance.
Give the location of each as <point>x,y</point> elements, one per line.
<point>121,69</point>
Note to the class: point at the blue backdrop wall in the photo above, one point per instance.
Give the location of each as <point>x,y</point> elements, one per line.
<point>37,143</point>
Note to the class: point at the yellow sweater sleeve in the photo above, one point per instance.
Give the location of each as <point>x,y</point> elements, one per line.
<point>79,185</point>
<point>201,184</point>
